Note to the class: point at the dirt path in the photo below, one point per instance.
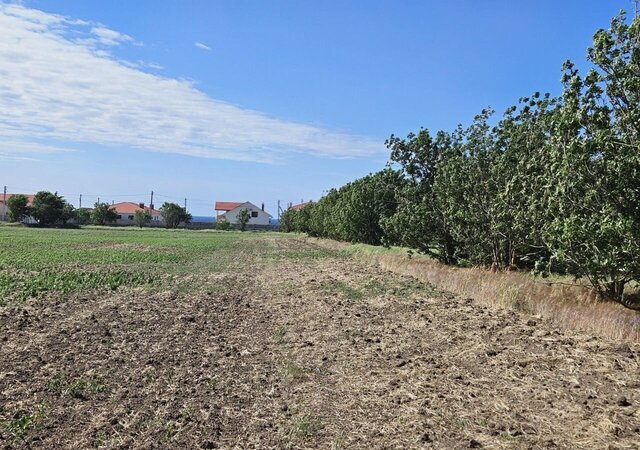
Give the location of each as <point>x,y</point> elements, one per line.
<point>308,352</point>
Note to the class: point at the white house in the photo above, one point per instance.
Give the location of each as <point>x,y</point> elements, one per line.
<point>229,211</point>
<point>127,210</point>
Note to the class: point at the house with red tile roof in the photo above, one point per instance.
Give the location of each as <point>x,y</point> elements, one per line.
<point>299,206</point>
<point>4,210</point>
<point>228,211</point>
<point>127,210</point>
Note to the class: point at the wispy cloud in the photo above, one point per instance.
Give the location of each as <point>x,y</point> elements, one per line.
<point>13,146</point>
<point>107,36</point>
<point>202,46</point>
<point>60,83</point>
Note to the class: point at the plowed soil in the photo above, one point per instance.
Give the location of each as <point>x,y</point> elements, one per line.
<point>308,350</point>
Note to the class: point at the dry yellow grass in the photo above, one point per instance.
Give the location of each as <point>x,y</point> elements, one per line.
<point>569,306</point>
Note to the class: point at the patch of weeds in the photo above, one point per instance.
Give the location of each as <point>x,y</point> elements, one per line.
<point>339,443</point>
<point>304,426</point>
<point>169,431</point>
<point>293,370</point>
<point>23,422</point>
<point>517,302</point>
<point>186,413</point>
<point>79,388</point>
<point>170,375</point>
<point>278,334</point>
<point>301,254</point>
<point>101,438</point>
<point>341,288</point>
<point>24,285</point>
<point>149,377</point>
<point>213,383</point>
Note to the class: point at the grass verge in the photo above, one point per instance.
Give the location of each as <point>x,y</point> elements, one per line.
<point>568,306</point>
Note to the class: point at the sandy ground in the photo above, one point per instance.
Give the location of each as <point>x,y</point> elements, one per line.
<point>308,352</point>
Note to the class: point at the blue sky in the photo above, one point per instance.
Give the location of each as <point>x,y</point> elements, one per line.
<point>252,100</point>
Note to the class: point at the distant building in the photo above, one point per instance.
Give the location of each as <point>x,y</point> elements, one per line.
<point>229,211</point>
<point>126,212</point>
<point>4,209</point>
<point>299,206</point>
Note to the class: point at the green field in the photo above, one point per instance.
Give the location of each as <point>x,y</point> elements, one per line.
<point>35,261</point>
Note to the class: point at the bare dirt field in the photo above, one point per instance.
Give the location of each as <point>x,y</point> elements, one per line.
<point>292,345</point>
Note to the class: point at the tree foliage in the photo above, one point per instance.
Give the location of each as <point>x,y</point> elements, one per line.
<point>48,208</point>
<point>174,214</point>
<point>18,206</point>
<point>554,185</point>
<point>83,216</point>
<point>243,219</point>
<point>223,225</point>
<point>352,213</point>
<point>68,213</point>
<point>142,217</point>
<point>103,214</point>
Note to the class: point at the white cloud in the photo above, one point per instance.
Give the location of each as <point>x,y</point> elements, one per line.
<point>10,157</point>
<point>8,145</point>
<point>109,37</point>
<point>202,46</point>
<point>56,87</point>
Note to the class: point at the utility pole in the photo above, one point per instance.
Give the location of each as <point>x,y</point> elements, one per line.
<point>80,203</point>
<point>151,204</point>
<point>185,204</point>
<point>635,3</point>
<point>279,209</point>
<point>98,199</point>
<point>4,204</point>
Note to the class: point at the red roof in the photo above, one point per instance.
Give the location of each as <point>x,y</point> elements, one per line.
<point>29,198</point>
<point>227,206</point>
<point>131,208</point>
<point>299,206</point>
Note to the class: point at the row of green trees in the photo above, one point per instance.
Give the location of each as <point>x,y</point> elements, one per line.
<point>554,186</point>
<point>47,208</point>
<point>50,209</point>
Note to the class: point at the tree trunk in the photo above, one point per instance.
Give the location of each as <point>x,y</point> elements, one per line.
<point>613,290</point>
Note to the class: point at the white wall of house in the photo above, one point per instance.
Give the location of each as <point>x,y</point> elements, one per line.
<point>258,216</point>
<point>127,219</point>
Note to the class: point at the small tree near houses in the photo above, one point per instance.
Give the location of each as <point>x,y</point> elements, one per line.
<point>142,217</point>
<point>243,218</point>
<point>103,214</point>
<point>18,209</point>
<point>173,214</point>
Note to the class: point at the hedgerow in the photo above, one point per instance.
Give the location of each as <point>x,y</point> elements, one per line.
<point>554,186</point>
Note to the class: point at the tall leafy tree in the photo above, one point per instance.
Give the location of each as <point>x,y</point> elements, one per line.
<point>48,208</point>
<point>421,221</point>
<point>594,231</point>
<point>174,214</point>
<point>18,206</point>
<point>103,214</point>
